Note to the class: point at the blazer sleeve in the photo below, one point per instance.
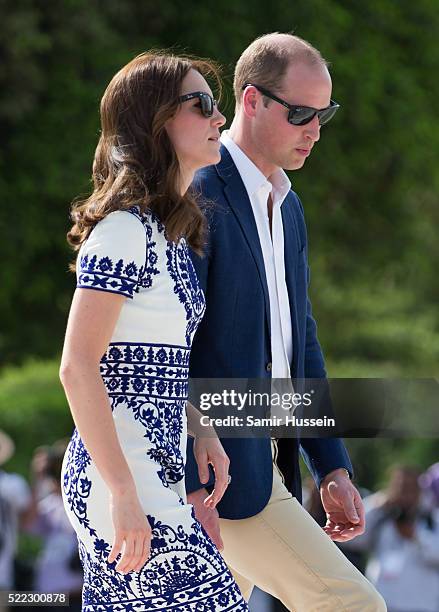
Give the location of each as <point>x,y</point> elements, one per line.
<point>321,455</point>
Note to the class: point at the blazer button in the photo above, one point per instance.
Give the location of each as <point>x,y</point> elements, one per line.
<point>268,366</point>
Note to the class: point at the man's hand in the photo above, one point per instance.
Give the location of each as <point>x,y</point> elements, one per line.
<point>208,517</point>
<point>343,506</point>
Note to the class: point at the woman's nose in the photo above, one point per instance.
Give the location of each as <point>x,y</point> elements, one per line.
<point>219,118</point>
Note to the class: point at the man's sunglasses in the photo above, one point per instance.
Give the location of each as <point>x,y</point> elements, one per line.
<point>207,103</point>
<point>300,115</point>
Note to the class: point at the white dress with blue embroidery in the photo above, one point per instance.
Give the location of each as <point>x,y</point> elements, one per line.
<point>145,372</point>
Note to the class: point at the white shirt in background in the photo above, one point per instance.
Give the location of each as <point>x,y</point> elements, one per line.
<point>15,498</point>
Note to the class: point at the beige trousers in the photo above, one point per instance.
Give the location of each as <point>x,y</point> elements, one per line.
<point>284,552</point>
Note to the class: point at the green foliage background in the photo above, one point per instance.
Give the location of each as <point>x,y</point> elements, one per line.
<point>369,189</point>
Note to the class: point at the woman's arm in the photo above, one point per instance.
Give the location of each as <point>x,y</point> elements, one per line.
<point>93,316</point>
<point>92,319</point>
<point>194,426</point>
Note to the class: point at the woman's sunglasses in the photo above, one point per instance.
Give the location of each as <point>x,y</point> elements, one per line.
<point>300,115</point>
<point>207,103</point>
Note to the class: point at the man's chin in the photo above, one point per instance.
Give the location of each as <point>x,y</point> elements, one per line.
<point>295,164</point>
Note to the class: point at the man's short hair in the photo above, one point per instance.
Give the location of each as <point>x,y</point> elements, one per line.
<point>266,60</point>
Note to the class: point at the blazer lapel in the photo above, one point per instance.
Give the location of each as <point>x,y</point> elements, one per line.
<point>239,201</point>
<point>290,257</point>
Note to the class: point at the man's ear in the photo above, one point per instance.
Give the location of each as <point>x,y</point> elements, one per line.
<point>249,101</point>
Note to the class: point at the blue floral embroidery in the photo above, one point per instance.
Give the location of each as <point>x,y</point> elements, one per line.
<point>105,275</point>
<point>121,277</point>
<point>186,285</point>
<point>149,214</point>
<point>174,422</point>
<point>76,485</point>
<point>152,382</point>
<point>148,219</point>
<point>147,370</point>
<point>151,258</point>
<point>184,572</point>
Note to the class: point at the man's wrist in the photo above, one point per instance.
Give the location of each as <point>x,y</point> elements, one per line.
<point>343,472</point>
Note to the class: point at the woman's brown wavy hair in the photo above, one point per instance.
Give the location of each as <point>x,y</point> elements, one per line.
<point>135,162</point>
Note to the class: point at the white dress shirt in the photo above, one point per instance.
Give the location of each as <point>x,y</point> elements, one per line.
<point>272,244</point>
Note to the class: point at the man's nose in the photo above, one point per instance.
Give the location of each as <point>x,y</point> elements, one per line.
<point>312,129</point>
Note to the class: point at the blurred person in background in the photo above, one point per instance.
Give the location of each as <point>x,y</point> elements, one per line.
<point>15,501</point>
<point>429,482</point>
<point>402,540</point>
<point>57,568</point>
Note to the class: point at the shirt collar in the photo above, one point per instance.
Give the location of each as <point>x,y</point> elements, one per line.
<point>253,179</point>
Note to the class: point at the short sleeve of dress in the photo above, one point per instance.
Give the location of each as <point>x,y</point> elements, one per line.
<point>113,256</point>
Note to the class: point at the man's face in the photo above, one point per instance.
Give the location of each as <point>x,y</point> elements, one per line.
<point>404,488</point>
<point>280,143</point>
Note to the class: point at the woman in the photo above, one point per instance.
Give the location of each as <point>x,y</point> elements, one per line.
<point>125,360</point>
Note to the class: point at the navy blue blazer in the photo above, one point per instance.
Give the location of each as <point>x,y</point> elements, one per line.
<point>233,339</point>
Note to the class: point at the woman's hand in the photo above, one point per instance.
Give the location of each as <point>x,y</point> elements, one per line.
<point>132,528</point>
<point>210,450</point>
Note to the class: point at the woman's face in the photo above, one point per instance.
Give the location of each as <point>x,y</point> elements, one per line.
<point>195,138</point>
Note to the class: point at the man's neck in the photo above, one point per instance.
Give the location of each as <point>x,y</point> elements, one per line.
<point>237,133</point>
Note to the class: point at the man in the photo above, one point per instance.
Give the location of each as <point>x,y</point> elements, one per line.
<point>258,323</point>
